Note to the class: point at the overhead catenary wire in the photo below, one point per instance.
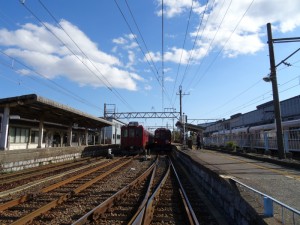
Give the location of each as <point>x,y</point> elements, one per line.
<point>253,85</point>
<point>111,88</point>
<point>221,50</point>
<point>262,97</point>
<point>194,44</point>
<point>152,66</point>
<point>86,66</point>
<point>57,87</point>
<point>190,55</point>
<point>162,53</point>
<point>140,33</point>
<point>183,47</point>
<point>136,40</point>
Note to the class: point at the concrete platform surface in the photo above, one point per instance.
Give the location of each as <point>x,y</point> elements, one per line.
<point>273,179</point>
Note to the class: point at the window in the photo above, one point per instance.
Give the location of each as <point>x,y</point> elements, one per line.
<point>125,133</point>
<point>34,136</point>
<point>139,132</point>
<point>131,132</point>
<point>18,135</point>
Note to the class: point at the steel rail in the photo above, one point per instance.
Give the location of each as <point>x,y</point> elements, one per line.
<point>149,210</point>
<point>146,214</point>
<point>189,208</point>
<point>95,213</point>
<point>31,216</point>
<point>27,197</point>
<point>9,178</point>
<point>138,216</point>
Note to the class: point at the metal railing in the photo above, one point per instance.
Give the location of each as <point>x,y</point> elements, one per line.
<point>268,205</point>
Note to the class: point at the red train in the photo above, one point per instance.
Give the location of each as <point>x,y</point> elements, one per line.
<point>135,139</point>
<point>162,139</point>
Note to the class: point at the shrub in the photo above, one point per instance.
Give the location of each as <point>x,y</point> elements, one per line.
<point>231,145</point>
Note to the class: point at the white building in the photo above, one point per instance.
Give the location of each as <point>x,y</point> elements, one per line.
<point>112,134</point>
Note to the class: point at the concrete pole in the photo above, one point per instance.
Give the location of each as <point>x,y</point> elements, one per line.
<point>280,146</point>
<point>69,142</point>
<point>41,133</point>
<point>4,128</point>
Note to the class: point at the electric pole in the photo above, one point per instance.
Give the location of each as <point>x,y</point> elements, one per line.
<point>273,77</point>
<point>180,99</point>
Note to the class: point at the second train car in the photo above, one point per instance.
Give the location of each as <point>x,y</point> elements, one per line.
<point>162,139</point>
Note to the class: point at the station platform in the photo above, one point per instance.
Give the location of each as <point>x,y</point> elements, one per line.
<point>279,179</point>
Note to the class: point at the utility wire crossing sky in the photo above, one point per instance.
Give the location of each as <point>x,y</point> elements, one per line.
<point>136,54</point>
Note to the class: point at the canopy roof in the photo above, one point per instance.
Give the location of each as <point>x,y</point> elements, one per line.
<point>190,127</point>
<point>33,107</point>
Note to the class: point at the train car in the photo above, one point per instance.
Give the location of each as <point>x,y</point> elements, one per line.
<point>261,137</point>
<point>162,139</point>
<point>135,138</point>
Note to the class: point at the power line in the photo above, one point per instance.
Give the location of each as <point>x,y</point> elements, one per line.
<point>48,29</point>
<point>136,40</point>
<point>162,53</point>
<point>111,88</point>
<point>191,52</point>
<point>183,46</point>
<point>133,18</point>
<point>215,58</point>
<point>247,104</point>
<point>58,88</point>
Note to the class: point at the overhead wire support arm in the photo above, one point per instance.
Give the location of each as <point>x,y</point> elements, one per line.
<point>285,40</point>
<point>130,115</point>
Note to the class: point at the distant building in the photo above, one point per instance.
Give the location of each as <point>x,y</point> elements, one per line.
<point>264,114</point>
<point>112,134</point>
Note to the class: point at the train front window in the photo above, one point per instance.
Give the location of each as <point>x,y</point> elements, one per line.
<point>131,132</point>
<point>139,132</point>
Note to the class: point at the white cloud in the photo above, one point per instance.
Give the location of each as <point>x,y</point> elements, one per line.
<point>131,60</point>
<point>41,51</point>
<point>119,41</point>
<point>148,87</point>
<point>151,56</point>
<point>169,79</point>
<point>237,27</point>
<point>175,8</point>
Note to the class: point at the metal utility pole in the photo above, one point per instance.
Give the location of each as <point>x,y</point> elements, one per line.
<point>180,99</point>
<point>182,118</point>
<point>280,145</point>
<point>273,79</point>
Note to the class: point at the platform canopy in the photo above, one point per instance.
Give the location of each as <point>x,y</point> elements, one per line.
<point>35,108</point>
<point>190,127</point>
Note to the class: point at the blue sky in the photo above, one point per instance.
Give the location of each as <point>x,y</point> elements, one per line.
<point>87,53</point>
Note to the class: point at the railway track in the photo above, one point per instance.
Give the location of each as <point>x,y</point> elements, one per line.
<point>11,180</point>
<point>62,202</point>
<point>156,197</point>
<point>122,191</point>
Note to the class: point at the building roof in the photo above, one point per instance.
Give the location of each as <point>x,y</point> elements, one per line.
<point>34,107</point>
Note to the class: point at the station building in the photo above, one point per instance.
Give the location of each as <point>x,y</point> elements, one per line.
<point>31,121</point>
